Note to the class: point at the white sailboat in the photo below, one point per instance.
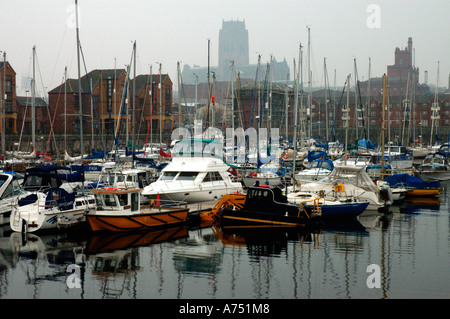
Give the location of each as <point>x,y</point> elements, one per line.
<point>53,201</point>
<point>10,191</point>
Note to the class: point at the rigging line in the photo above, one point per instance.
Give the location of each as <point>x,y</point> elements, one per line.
<point>54,116</point>
<point>149,125</point>
<point>185,102</point>
<point>23,122</point>
<point>254,93</point>
<point>48,111</point>
<point>360,106</point>
<point>143,107</point>
<point>122,106</point>
<point>93,104</point>
<point>243,123</point>
<point>58,55</point>
<point>339,104</point>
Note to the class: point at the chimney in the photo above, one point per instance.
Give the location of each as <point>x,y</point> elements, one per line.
<point>409,44</point>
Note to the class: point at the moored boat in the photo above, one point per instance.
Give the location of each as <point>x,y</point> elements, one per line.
<point>435,167</point>
<point>53,201</point>
<point>265,205</point>
<point>414,185</point>
<point>119,209</point>
<point>330,207</point>
<point>348,182</point>
<point>10,191</point>
<point>193,179</point>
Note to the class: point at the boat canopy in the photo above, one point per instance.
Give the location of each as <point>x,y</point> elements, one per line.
<point>355,175</point>
<point>406,180</point>
<point>57,172</point>
<point>366,143</point>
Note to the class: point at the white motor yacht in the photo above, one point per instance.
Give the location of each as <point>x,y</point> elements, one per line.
<point>193,179</point>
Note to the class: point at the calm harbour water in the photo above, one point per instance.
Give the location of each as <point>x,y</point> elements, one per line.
<point>409,246</point>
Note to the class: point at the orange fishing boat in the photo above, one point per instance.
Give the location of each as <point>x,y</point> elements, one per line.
<point>119,209</point>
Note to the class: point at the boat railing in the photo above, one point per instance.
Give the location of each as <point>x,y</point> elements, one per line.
<point>166,203</point>
<point>316,211</point>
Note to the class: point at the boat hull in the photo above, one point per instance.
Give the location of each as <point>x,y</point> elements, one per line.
<point>423,192</point>
<point>350,210</point>
<point>433,176</point>
<point>145,220</point>
<point>191,195</point>
<point>250,181</point>
<point>49,220</point>
<point>244,217</point>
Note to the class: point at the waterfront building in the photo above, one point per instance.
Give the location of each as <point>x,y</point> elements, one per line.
<point>8,97</point>
<point>105,103</point>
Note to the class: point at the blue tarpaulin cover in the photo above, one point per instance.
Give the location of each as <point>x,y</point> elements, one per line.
<point>406,180</point>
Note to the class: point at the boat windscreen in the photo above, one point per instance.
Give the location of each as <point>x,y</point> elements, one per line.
<point>168,176</point>
<point>187,176</point>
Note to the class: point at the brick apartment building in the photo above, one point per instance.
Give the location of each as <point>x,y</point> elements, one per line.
<point>106,105</point>
<point>8,97</point>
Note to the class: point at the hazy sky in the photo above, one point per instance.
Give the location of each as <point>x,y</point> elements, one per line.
<point>167,31</point>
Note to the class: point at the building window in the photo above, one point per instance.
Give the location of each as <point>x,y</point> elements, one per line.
<point>8,86</point>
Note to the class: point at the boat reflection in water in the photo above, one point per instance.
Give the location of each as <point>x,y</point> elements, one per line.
<point>265,240</point>
<point>255,261</point>
<point>120,240</point>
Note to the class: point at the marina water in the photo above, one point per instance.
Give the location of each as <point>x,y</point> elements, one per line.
<point>402,254</point>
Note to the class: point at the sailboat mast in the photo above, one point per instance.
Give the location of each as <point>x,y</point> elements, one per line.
<point>383,124</point>
<point>33,102</point>
<point>326,98</point>
<point>309,108</point>
<point>435,108</point>
<point>133,120</point>
<point>232,95</point>
<point>160,106</point>
<point>179,94</point>
<point>92,115</point>
<point>79,81</point>
<point>296,76</point>
<point>4,106</point>
<point>347,111</point>
<point>65,109</point>
<point>209,94</point>
<point>368,103</point>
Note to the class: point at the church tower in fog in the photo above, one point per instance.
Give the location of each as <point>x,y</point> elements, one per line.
<point>233,45</point>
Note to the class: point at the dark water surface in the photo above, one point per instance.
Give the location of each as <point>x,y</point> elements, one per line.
<point>407,252</point>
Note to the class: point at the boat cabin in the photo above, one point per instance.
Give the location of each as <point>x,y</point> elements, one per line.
<point>124,178</point>
<point>197,177</point>
<point>49,176</point>
<point>270,199</point>
<point>115,199</point>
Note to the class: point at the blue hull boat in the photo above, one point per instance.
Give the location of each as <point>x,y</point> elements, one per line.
<point>346,210</point>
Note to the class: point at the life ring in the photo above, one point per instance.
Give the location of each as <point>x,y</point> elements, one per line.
<point>339,187</point>
<point>285,156</point>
